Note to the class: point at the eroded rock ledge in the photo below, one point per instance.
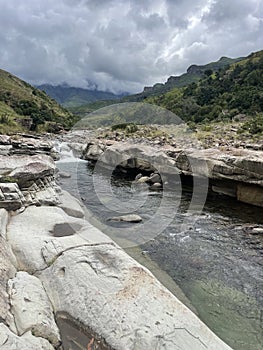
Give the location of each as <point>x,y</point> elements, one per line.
<point>53,262</point>
<point>236,173</point>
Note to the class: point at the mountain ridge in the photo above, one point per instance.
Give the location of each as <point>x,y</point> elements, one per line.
<point>193,73</point>
<point>71,97</point>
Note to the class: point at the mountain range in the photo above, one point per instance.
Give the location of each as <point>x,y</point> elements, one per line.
<point>217,90</point>
<point>72,97</point>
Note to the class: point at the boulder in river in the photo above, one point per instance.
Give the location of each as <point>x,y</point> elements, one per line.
<point>127,218</point>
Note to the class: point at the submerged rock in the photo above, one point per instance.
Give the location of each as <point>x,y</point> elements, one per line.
<point>127,218</point>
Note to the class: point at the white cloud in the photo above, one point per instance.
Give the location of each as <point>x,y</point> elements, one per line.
<point>122,45</point>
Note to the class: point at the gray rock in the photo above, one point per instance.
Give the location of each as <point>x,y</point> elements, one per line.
<point>31,308</point>
<point>155,178</point>
<point>26,169</point>
<point>156,186</point>
<point>10,341</point>
<point>127,218</point>
<point>93,151</point>
<point>71,205</point>
<point>7,271</point>
<point>123,302</point>
<point>143,179</point>
<point>11,198</point>
<point>50,231</point>
<point>3,222</point>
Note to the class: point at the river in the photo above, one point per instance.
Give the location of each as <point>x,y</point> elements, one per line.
<point>214,259</point>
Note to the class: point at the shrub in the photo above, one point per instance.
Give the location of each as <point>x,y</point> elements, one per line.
<point>254,125</point>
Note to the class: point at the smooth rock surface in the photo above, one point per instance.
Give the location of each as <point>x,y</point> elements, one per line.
<point>70,205</point>
<point>31,308</point>
<point>123,302</point>
<point>50,231</point>
<point>127,218</point>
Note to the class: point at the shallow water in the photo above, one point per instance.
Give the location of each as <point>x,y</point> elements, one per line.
<point>210,255</point>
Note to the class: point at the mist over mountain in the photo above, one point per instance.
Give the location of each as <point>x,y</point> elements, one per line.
<point>71,97</point>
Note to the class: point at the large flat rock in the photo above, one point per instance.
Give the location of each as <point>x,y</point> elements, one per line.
<point>108,292</point>
<point>39,234</point>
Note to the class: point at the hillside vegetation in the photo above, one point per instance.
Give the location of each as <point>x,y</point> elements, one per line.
<point>193,74</point>
<point>235,91</point>
<point>23,107</point>
<point>224,93</point>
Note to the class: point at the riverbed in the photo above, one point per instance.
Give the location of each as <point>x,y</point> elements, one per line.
<point>211,255</point>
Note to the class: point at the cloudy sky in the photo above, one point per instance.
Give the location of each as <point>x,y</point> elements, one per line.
<point>122,45</point>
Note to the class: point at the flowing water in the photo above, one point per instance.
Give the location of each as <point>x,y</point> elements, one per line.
<point>212,257</point>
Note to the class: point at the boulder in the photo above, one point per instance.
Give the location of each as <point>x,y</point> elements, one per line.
<point>93,151</point>
<point>143,179</point>
<point>10,341</point>
<point>156,186</point>
<point>31,308</point>
<point>155,178</point>
<point>127,218</point>
<point>122,302</point>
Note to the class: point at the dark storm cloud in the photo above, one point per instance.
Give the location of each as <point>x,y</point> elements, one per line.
<point>122,45</point>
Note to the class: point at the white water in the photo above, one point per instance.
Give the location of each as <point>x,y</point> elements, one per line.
<point>66,153</point>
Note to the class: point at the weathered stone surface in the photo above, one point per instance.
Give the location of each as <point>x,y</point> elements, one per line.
<point>71,205</point>
<point>93,151</point>
<point>155,178</point>
<point>27,180</point>
<point>127,218</point>
<point>239,166</point>
<point>143,179</point>
<point>123,302</point>
<point>29,145</point>
<point>3,222</point>
<point>24,169</point>
<point>11,198</point>
<point>156,186</point>
<point>250,194</point>
<point>244,166</point>
<point>131,156</point>
<point>50,231</point>
<point>7,271</point>
<point>10,341</point>
<point>5,140</point>
<point>31,308</point>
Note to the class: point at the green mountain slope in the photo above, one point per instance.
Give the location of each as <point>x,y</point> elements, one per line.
<point>71,97</point>
<point>23,107</point>
<point>194,73</point>
<point>236,89</point>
